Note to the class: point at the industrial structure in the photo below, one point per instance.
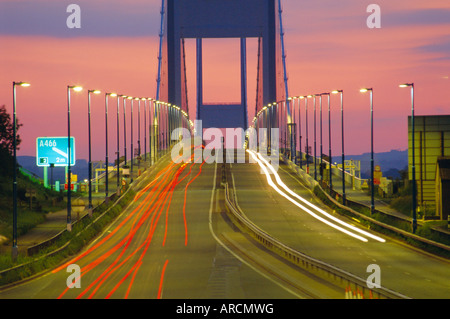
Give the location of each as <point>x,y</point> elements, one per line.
<point>432,141</point>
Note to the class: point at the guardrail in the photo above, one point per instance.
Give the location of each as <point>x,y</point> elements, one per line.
<point>7,272</point>
<point>323,270</point>
<point>393,229</point>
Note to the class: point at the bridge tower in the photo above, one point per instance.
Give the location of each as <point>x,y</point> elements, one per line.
<point>200,19</point>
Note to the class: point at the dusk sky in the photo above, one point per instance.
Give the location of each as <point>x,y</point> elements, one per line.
<point>329,46</point>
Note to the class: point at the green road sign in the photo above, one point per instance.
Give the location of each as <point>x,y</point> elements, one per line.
<point>54,150</point>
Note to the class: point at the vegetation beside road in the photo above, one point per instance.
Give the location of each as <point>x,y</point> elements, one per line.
<point>67,245</point>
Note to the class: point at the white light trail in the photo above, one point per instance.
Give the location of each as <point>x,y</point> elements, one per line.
<point>280,182</point>
<point>258,158</point>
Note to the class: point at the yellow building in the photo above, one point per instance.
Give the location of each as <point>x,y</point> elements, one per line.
<point>443,187</point>
<point>432,140</point>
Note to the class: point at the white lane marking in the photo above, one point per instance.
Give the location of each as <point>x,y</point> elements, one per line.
<point>229,250</point>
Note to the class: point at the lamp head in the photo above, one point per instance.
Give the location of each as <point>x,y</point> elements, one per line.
<point>24,84</point>
<point>76,88</point>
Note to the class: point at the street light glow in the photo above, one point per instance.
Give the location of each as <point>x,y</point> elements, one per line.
<point>365,90</point>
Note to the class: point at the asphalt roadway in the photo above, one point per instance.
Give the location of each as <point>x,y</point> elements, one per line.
<point>403,269</point>
<point>175,241</point>
<point>169,243</point>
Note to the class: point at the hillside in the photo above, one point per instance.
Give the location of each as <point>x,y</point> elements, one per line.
<point>29,163</point>
<point>30,212</point>
<point>390,162</point>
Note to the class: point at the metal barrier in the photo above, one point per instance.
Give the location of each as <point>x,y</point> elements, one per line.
<point>307,181</point>
<point>49,242</point>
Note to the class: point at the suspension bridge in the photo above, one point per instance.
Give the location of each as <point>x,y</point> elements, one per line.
<point>243,222</point>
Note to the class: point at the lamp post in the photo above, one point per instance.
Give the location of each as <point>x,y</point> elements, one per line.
<point>413,168</point>
<point>15,249</point>
<point>155,130</point>
<point>118,150</point>
<point>139,134</point>
<point>329,139</point>
<point>106,145</point>
<point>150,129</point>
<point>307,133</point>
<point>145,128</point>
<point>293,132</point>
<point>69,169</point>
<point>315,142</point>
<point>291,126</point>
<point>270,118</point>
<point>300,129</point>
<point>131,133</point>
<point>124,100</point>
<point>372,206</point>
<point>321,150</point>
<point>90,207</point>
<point>341,92</point>
<point>139,125</point>
<point>274,113</point>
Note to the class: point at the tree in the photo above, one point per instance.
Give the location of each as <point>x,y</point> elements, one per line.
<point>7,141</point>
<point>7,131</point>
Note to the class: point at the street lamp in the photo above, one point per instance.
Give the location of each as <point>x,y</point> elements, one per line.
<point>15,249</point>
<point>329,139</point>
<point>413,168</point>
<point>139,133</point>
<point>321,150</point>
<point>124,100</point>
<point>341,92</point>
<point>69,170</point>
<point>372,207</point>
<point>300,130</point>
<point>106,145</point>
<point>145,128</point>
<point>139,125</point>
<point>118,150</point>
<point>307,133</point>
<point>90,207</point>
<point>131,133</point>
<point>315,143</point>
<point>150,129</point>
<point>156,114</point>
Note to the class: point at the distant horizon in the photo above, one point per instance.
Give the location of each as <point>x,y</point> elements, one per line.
<point>338,155</point>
